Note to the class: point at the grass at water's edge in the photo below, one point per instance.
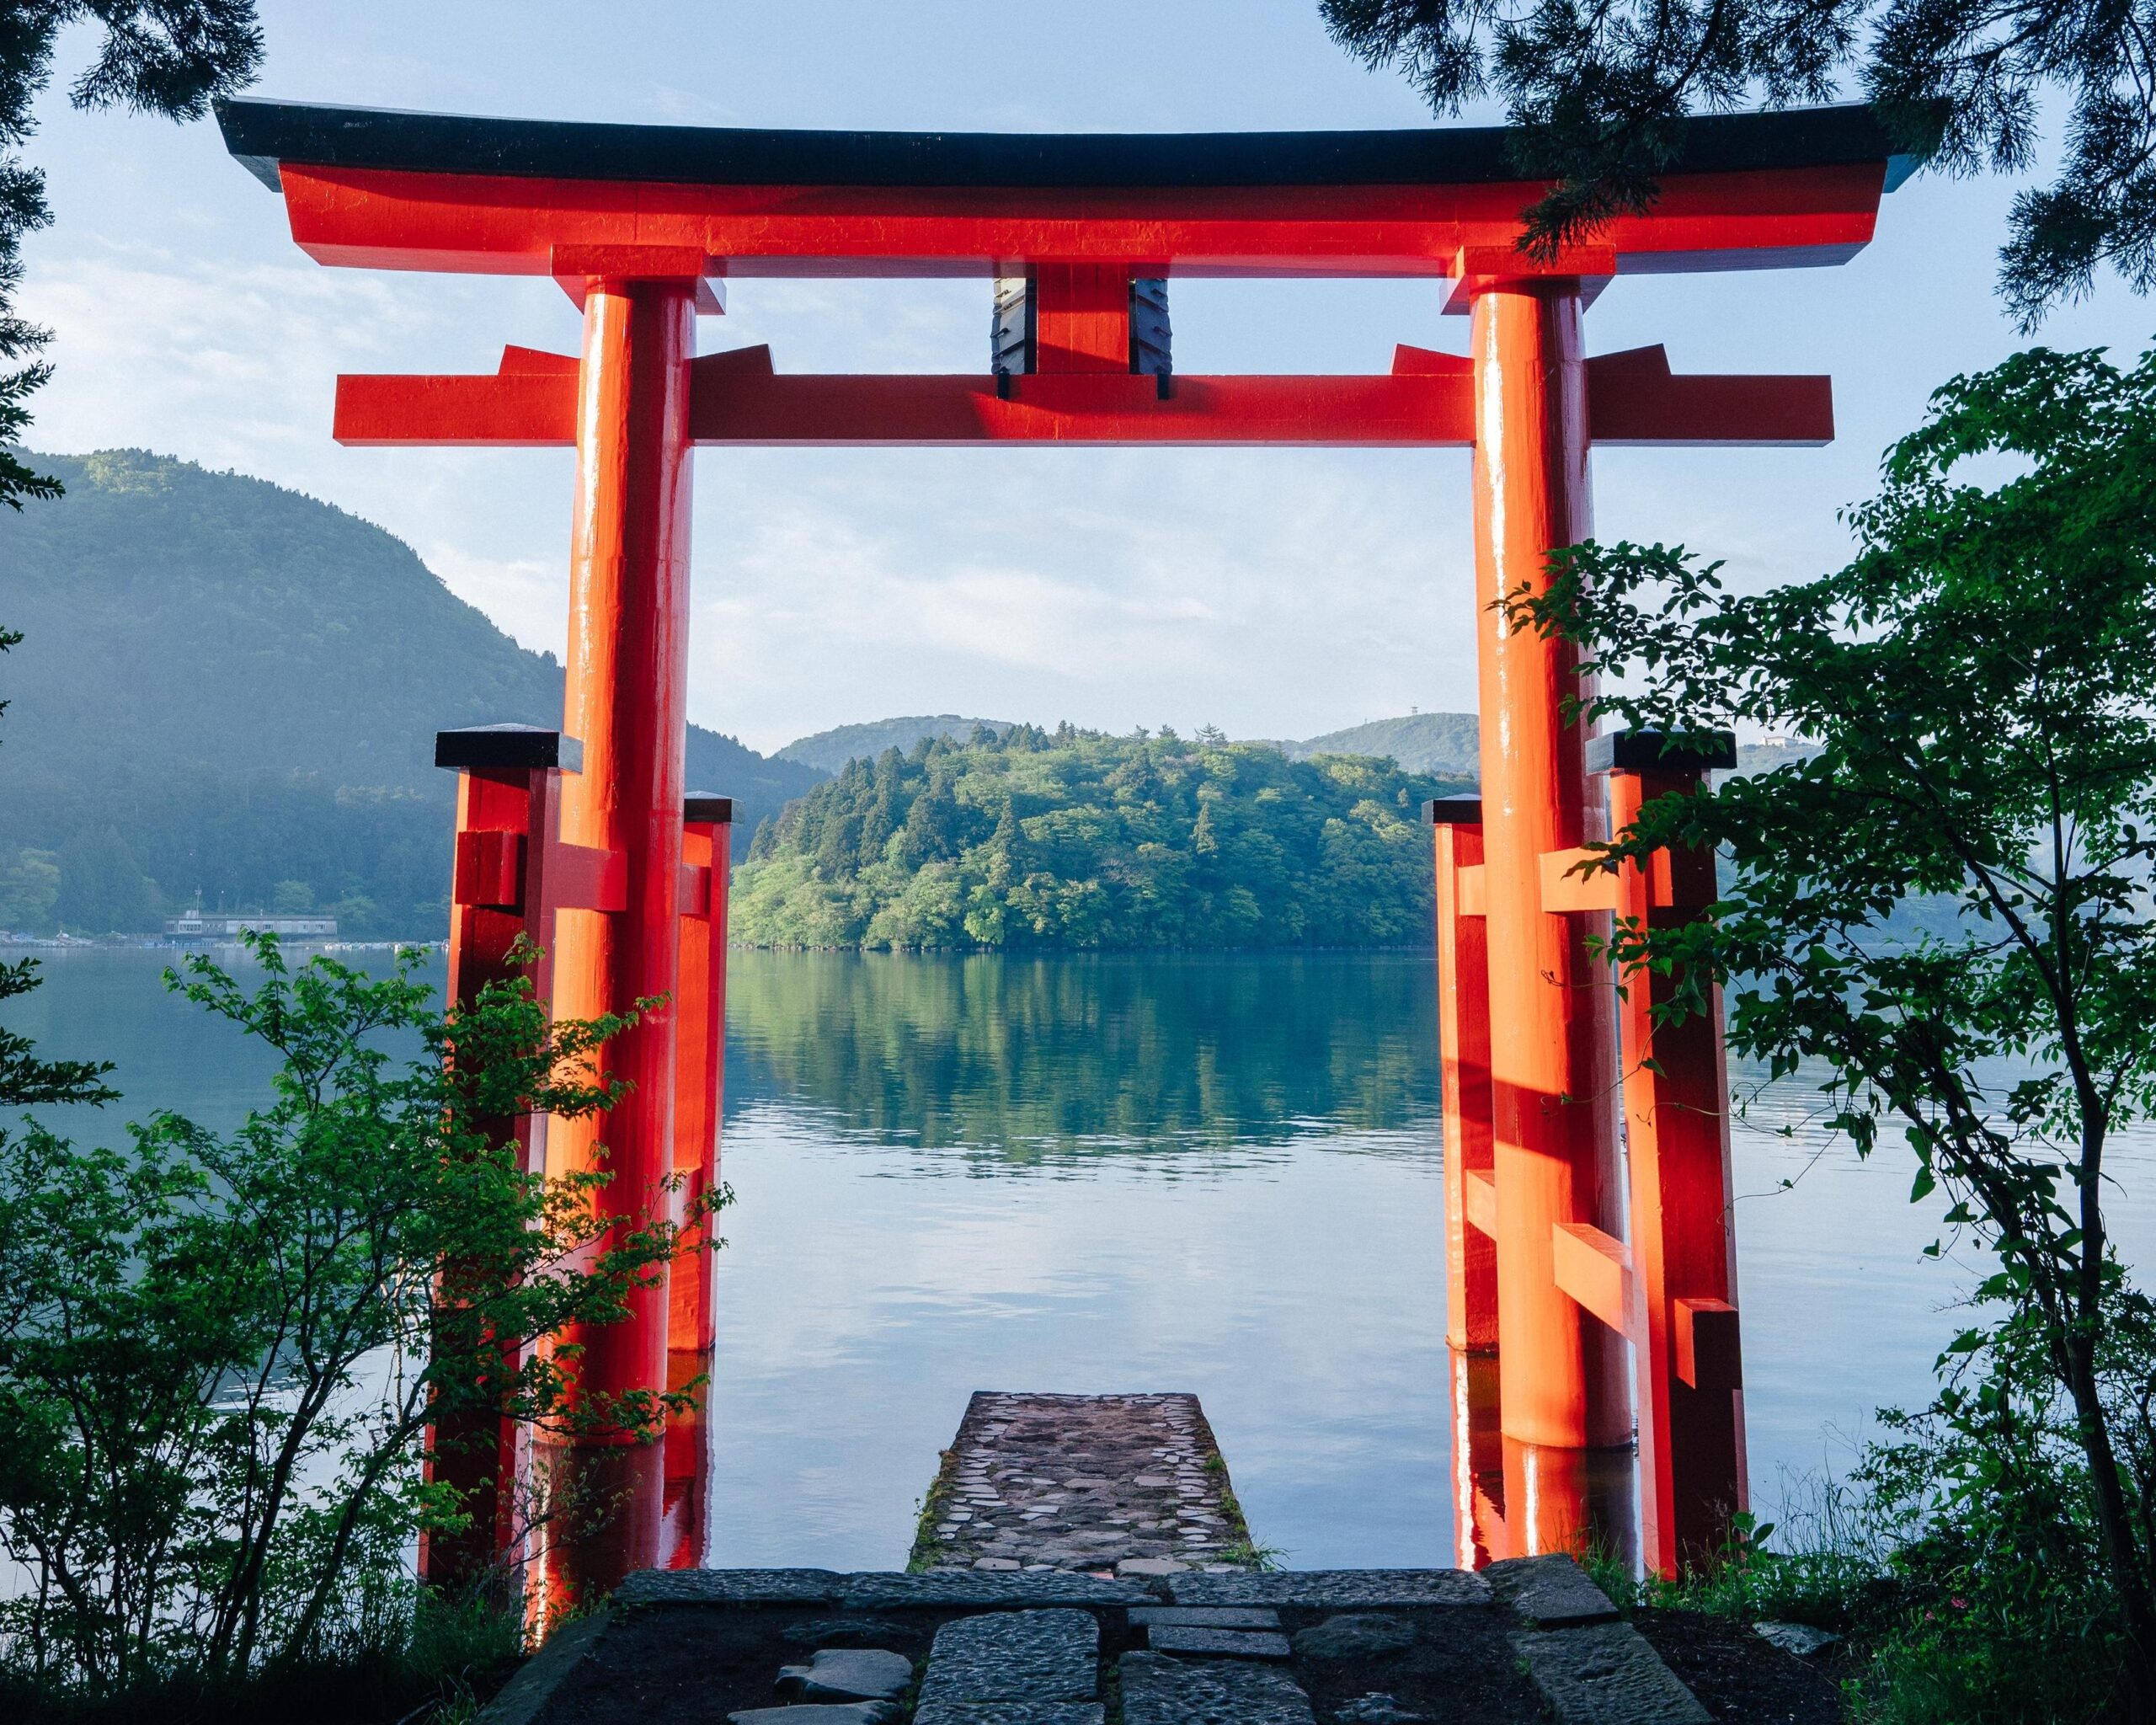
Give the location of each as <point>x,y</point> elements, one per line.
<point>926,1547</point>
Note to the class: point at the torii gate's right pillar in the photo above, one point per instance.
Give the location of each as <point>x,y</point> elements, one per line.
<point>1563,1376</point>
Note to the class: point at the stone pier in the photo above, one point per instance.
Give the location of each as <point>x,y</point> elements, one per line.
<point>1130,1485</point>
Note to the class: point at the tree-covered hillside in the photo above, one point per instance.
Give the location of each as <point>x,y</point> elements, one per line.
<point>1075,838</point>
<point>228,687</point>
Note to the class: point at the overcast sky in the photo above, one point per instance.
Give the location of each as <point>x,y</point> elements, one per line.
<point>1275,593</point>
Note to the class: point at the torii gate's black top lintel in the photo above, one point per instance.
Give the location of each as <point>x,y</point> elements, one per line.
<point>262,134</point>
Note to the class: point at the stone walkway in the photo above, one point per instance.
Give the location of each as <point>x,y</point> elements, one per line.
<point>1529,1642</point>
<point>1130,1484</point>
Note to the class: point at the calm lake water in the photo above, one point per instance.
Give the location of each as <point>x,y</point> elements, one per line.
<point>1136,1172</point>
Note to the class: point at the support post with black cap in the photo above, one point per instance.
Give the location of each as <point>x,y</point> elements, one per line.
<point>507,823</point>
<point>1683,1245</point>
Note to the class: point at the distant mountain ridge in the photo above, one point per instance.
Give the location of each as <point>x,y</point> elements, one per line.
<point>1447,742</point>
<point>829,751</point>
<point>1447,745</point>
<point>228,687</point>
<point>1450,744</point>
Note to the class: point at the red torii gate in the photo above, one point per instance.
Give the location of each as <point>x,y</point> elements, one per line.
<point>642,226</point>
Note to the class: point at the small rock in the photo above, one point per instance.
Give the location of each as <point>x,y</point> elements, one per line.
<point>996,1563</point>
<point>1799,1638</point>
<point>1361,1636</point>
<point>854,1713</point>
<point>849,1675</point>
<point>1150,1566</point>
<point>1377,1709</point>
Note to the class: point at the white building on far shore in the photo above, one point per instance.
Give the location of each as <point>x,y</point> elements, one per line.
<point>199,923</point>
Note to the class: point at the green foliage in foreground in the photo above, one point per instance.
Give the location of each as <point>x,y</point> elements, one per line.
<point>1980,684</point>
<point>219,1355</point>
<point>1072,839</point>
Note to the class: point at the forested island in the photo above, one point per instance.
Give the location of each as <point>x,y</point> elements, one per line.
<point>1074,839</point>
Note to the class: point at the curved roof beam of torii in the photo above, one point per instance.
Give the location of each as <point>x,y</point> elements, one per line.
<point>386,189</point>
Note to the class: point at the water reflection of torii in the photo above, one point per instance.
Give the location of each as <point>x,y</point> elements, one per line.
<point>642,225</point>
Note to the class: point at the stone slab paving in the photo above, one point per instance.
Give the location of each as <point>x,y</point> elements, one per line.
<point>1159,1691</point>
<point>1022,1647</point>
<point>1334,1589</point>
<point>1204,1617</point>
<point>1219,1644</point>
<point>1088,1483</point>
<point>1550,1591</point>
<point>990,1590</point>
<point>731,1587</point>
<point>1606,1675</point>
<point>1016,1656</point>
<point>1356,1635</point>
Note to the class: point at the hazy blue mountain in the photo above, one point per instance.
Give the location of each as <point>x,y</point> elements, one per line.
<point>1450,744</point>
<point>829,751</point>
<point>1421,742</point>
<point>227,687</point>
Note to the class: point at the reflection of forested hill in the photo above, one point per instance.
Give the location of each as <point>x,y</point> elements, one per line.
<point>1073,839</point>
<point>224,685</point>
<point>1027,1057</point>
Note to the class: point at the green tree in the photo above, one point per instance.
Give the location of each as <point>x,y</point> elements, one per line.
<point>29,891</point>
<point>155,57</point>
<point>1601,92</point>
<point>103,890</point>
<point>1980,684</point>
<point>219,1355</point>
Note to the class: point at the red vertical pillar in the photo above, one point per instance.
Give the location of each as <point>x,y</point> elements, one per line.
<point>700,1055</point>
<point>626,698</point>
<point>1684,1239</point>
<point>1549,1010</point>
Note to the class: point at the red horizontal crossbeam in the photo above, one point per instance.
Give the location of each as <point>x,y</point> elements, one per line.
<point>389,219</point>
<point>735,398</point>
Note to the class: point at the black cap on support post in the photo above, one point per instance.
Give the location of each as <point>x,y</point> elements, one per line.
<point>478,747</point>
<point>704,808</point>
<point>1657,751</point>
<point>1453,811</point>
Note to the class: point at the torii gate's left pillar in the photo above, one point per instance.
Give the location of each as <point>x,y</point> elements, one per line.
<point>626,698</point>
